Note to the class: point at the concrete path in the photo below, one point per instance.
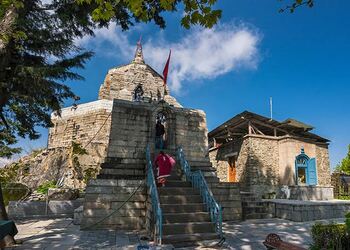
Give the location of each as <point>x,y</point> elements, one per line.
<point>62,234</point>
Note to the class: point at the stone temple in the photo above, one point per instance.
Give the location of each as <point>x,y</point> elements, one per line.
<point>250,161</point>
<point>115,130</point>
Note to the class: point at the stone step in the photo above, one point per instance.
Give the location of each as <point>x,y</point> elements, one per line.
<point>122,166</point>
<point>177,191</point>
<point>185,208</point>
<point>203,168</point>
<point>120,183</point>
<point>185,217</point>
<point>121,171</point>
<point>176,183</point>
<point>188,240</point>
<point>212,179</point>
<point>113,190</point>
<point>188,228</point>
<point>112,223</point>
<point>120,177</point>
<point>227,197</point>
<point>180,199</point>
<point>122,212</point>
<point>112,197</point>
<point>174,177</point>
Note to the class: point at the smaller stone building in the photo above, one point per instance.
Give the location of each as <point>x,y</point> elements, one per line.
<point>263,154</point>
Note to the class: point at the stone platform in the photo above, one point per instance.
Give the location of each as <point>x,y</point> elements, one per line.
<point>297,210</point>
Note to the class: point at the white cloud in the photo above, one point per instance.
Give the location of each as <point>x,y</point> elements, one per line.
<point>200,54</point>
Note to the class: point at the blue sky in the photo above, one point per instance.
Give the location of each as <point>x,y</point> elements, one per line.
<point>299,59</point>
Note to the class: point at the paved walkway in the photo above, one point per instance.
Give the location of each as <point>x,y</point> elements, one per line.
<point>62,234</point>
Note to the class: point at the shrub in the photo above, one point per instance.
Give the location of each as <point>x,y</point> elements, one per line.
<point>14,192</point>
<point>43,188</point>
<point>331,236</point>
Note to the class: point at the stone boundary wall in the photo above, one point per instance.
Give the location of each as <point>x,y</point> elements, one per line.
<point>307,210</point>
<point>37,209</point>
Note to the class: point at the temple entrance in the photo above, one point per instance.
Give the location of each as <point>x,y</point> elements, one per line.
<point>305,169</point>
<point>161,128</point>
<point>232,169</point>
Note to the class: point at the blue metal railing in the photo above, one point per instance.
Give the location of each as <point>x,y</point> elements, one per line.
<point>157,211</point>
<point>198,181</point>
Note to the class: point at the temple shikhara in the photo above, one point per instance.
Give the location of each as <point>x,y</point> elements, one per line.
<point>249,167</point>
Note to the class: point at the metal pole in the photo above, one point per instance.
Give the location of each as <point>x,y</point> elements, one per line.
<point>271,108</point>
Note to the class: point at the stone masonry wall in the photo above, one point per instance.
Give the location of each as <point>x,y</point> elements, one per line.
<point>89,125</point>
<point>262,164</point>
<point>191,133</point>
<point>323,166</point>
<point>133,127</point>
<point>130,131</point>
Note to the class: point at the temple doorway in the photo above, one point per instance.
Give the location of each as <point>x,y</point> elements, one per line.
<point>232,171</point>
<point>161,128</point>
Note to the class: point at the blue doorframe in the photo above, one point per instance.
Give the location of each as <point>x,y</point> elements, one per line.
<point>304,163</point>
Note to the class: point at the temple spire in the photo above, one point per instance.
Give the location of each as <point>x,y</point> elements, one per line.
<point>138,53</point>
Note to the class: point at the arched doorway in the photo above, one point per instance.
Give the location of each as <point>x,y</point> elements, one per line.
<point>305,169</point>
<point>161,129</point>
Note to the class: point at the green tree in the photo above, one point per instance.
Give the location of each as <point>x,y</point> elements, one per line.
<point>38,54</point>
<point>344,165</point>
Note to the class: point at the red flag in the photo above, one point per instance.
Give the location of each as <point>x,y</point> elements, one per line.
<point>166,69</point>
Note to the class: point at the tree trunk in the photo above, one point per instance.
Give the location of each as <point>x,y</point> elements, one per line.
<point>8,240</point>
<point>3,213</point>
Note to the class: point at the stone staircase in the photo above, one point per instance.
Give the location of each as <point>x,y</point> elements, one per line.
<point>225,193</point>
<point>117,181</point>
<point>185,219</point>
<point>253,207</point>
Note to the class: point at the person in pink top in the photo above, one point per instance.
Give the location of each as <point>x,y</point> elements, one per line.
<point>164,164</point>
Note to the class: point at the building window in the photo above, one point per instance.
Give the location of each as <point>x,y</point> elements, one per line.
<point>305,169</point>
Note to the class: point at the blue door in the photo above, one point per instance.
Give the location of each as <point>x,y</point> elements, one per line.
<point>312,172</point>
<point>305,170</point>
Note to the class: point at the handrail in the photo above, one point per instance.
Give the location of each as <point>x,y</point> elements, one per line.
<point>157,211</point>
<point>198,181</point>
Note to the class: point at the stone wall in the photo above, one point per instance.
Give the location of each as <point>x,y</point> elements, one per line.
<point>262,167</point>
<point>133,127</point>
<point>323,166</point>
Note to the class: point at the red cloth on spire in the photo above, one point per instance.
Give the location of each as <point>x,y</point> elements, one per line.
<point>166,69</point>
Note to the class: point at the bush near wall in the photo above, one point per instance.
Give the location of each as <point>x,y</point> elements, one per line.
<point>331,236</point>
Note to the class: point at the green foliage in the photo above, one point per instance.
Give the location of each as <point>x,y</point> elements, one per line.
<point>89,173</point>
<point>331,236</point>
<point>344,165</point>
<point>77,149</point>
<point>9,173</point>
<point>43,188</point>
<point>347,222</point>
<point>294,4</point>
<point>38,57</point>
<point>199,12</point>
<point>14,192</point>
